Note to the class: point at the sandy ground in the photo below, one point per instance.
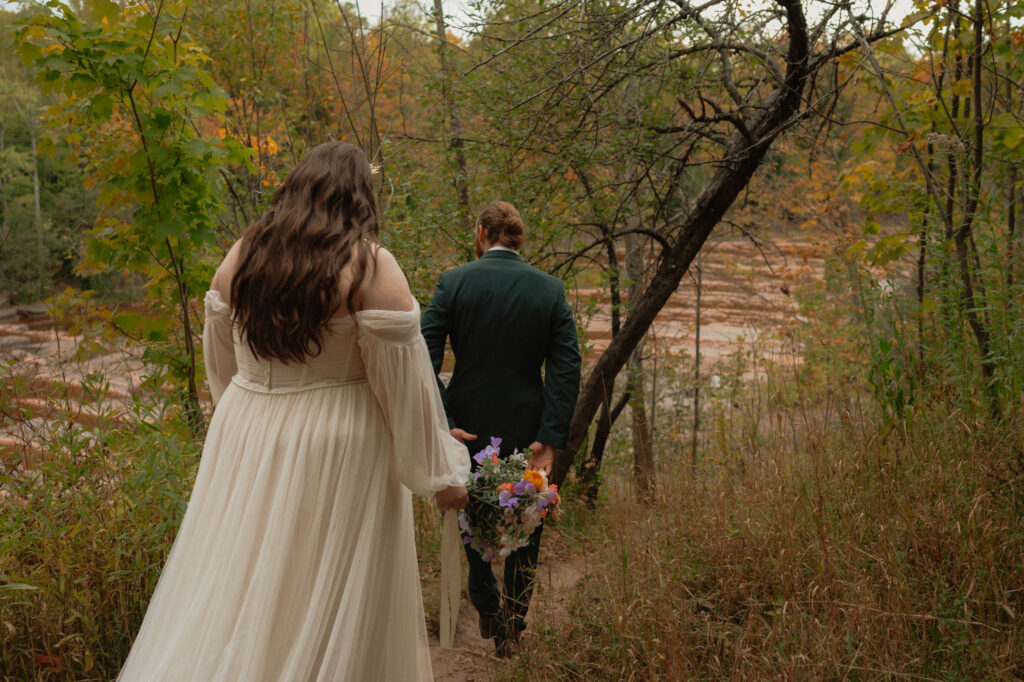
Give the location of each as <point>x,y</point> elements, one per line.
<point>472,658</point>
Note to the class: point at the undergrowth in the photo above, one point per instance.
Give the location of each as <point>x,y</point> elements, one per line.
<point>830,545</point>
<point>85,530</point>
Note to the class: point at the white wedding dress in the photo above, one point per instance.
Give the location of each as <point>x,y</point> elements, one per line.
<point>295,560</point>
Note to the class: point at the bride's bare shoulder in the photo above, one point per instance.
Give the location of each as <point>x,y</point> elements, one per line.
<point>385,287</point>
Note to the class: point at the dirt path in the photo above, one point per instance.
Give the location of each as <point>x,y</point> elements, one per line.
<point>472,658</point>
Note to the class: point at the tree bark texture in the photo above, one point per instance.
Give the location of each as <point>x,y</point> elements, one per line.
<point>744,154</point>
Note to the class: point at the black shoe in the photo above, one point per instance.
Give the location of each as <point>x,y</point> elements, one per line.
<point>505,648</point>
<point>486,626</point>
<point>506,645</point>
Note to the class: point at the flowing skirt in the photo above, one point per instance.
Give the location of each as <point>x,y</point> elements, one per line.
<point>296,558</point>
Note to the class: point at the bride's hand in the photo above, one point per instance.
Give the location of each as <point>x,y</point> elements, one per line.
<point>452,497</point>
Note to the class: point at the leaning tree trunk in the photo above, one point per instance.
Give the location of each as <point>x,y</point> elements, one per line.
<point>745,151</point>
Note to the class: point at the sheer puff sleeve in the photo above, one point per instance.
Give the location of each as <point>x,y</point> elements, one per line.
<point>424,455</point>
<point>218,345</point>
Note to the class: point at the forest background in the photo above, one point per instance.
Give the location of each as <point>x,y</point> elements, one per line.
<point>840,497</point>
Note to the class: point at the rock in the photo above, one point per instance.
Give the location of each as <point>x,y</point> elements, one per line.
<point>14,341</point>
<point>34,309</point>
<point>18,354</point>
<point>8,313</point>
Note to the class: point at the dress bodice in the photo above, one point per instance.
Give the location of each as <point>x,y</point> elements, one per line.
<point>339,362</point>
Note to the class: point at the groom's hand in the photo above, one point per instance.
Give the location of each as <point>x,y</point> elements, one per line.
<point>452,497</point>
<point>543,457</point>
<point>462,436</point>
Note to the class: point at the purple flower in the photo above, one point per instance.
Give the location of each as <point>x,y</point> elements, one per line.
<point>486,453</point>
<point>506,499</point>
<point>524,487</point>
<point>495,442</point>
<point>467,539</point>
<point>542,503</point>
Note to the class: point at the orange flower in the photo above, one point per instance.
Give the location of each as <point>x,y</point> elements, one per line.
<point>505,486</point>
<point>534,477</point>
<point>494,459</point>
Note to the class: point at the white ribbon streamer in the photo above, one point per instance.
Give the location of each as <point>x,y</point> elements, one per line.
<point>451,578</point>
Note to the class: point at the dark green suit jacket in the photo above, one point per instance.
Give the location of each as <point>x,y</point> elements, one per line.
<point>506,320</point>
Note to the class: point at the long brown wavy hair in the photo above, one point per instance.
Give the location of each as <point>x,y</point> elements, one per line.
<point>286,287</point>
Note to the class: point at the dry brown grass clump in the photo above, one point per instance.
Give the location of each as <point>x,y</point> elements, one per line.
<point>822,549</point>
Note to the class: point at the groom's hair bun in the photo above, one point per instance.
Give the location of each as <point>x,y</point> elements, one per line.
<point>502,224</point>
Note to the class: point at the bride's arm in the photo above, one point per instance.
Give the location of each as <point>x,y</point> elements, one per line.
<point>218,343</point>
<point>424,455</point>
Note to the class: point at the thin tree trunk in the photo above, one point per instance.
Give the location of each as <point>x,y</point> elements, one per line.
<point>1011,225</point>
<point>922,257</point>
<point>696,371</point>
<point>37,211</point>
<point>1011,210</point>
<point>591,470</point>
<point>455,131</point>
<point>590,481</point>
<point>643,456</point>
<point>963,235</point>
<point>4,228</point>
<point>193,411</point>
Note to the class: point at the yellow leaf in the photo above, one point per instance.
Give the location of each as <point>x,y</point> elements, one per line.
<point>962,87</point>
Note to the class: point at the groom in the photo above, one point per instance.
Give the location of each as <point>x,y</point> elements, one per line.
<point>506,321</point>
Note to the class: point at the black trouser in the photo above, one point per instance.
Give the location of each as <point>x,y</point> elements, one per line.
<point>507,607</point>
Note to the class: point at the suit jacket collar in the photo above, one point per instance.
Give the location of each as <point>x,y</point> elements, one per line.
<point>500,253</point>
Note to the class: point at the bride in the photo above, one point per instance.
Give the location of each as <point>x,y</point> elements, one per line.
<point>296,559</point>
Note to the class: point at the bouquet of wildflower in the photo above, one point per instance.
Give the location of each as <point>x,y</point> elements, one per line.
<point>506,503</point>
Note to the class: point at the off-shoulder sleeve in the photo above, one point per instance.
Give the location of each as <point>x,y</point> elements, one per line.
<point>218,345</point>
<point>424,455</point>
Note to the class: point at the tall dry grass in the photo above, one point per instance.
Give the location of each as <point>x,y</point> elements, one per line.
<point>811,543</point>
